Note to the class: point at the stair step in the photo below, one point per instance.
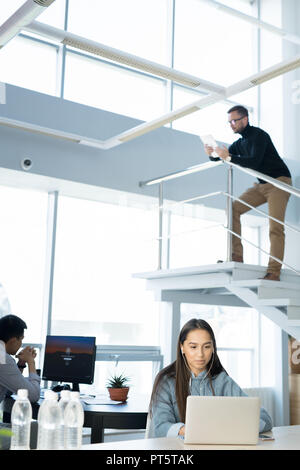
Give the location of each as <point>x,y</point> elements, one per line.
<point>278,292</point>
<point>267,284</point>
<point>294,322</point>
<point>281,302</point>
<point>293,313</point>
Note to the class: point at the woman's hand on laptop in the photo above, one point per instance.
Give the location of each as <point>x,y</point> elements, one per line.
<point>181,431</point>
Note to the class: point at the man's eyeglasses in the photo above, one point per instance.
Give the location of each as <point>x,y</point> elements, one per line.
<point>234,121</point>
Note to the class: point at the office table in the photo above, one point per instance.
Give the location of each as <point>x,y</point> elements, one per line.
<point>286,438</point>
<point>129,415</point>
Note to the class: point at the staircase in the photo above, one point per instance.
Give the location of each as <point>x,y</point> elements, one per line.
<point>238,285</point>
<point>232,284</point>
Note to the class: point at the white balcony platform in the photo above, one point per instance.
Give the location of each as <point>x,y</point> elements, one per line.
<point>233,284</point>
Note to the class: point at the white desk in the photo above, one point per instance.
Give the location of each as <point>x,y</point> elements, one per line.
<point>286,438</point>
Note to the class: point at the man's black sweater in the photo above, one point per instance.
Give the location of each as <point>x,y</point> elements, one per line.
<point>256,150</point>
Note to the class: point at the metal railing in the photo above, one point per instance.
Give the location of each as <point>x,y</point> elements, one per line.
<point>229,198</point>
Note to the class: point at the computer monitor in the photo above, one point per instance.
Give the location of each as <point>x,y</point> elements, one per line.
<point>70,359</point>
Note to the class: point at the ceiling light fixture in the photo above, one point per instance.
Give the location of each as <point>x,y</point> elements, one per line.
<point>115,55</point>
<point>264,76</point>
<point>243,85</point>
<point>22,17</point>
<point>46,131</point>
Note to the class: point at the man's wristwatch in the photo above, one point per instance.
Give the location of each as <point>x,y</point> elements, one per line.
<point>21,366</point>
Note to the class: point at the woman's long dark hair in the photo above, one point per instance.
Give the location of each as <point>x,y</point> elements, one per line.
<point>179,370</point>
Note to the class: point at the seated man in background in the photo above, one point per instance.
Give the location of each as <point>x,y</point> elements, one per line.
<point>11,378</point>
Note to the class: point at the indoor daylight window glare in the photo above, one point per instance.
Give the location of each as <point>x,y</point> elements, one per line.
<point>18,61</point>
<point>139,27</point>
<point>98,248</point>
<point>212,45</point>
<point>23,215</point>
<point>94,83</point>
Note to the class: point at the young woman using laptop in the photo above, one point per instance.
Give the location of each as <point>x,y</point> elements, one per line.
<point>196,371</point>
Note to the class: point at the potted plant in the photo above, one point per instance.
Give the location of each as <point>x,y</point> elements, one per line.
<point>118,388</point>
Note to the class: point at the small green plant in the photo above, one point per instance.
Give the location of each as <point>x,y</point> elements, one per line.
<point>118,381</point>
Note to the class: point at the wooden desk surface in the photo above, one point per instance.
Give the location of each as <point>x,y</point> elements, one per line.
<point>286,438</point>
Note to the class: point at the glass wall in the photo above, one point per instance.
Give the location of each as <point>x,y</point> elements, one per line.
<point>211,44</point>
<point>103,85</point>
<point>23,215</point>
<point>168,32</point>
<point>98,248</point>
<point>100,245</point>
<point>138,27</point>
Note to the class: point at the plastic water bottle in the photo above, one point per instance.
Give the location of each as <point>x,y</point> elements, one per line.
<point>74,418</point>
<point>21,421</point>
<point>49,423</point>
<point>65,396</point>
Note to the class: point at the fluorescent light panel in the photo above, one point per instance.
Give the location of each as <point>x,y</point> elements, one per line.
<point>268,74</point>
<point>243,85</point>
<point>122,57</point>
<point>264,76</point>
<point>22,17</point>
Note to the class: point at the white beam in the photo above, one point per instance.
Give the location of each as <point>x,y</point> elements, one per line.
<point>116,55</point>
<point>22,17</point>
<point>273,313</point>
<point>243,85</point>
<point>255,21</point>
<point>2,93</point>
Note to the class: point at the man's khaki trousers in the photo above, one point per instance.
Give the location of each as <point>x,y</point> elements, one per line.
<point>277,200</point>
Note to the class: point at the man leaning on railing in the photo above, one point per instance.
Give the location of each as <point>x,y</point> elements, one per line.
<point>256,150</point>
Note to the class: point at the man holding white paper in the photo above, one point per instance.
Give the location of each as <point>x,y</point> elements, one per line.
<point>256,150</point>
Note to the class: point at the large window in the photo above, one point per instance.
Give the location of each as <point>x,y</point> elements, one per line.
<point>23,234</point>
<point>211,44</point>
<point>99,246</point>
<point>94,83</point>
<point>151,29</point>
<point>29,64</point>
<point>139,27</point>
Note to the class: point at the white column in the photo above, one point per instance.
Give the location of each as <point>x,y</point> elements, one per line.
<point>169,332</point>
<point>282,403</point>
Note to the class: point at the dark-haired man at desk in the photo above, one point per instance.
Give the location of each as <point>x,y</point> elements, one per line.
<point>11,378</point>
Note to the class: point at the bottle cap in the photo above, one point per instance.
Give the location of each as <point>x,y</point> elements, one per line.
<point>22,393</point>
<point>50,395</point>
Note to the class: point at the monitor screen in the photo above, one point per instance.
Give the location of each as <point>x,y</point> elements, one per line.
<point>70,359</point>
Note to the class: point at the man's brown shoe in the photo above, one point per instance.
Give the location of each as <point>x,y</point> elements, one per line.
<point>271,277</point>
<point>236,259</point>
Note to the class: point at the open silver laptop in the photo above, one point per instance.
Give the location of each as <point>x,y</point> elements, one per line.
<point>222,420</point>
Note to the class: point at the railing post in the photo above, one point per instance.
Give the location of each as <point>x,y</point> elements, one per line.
<point>160,223</point>
<point>229,212</point>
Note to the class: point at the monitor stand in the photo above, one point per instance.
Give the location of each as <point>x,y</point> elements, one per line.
<point>75,387</point>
